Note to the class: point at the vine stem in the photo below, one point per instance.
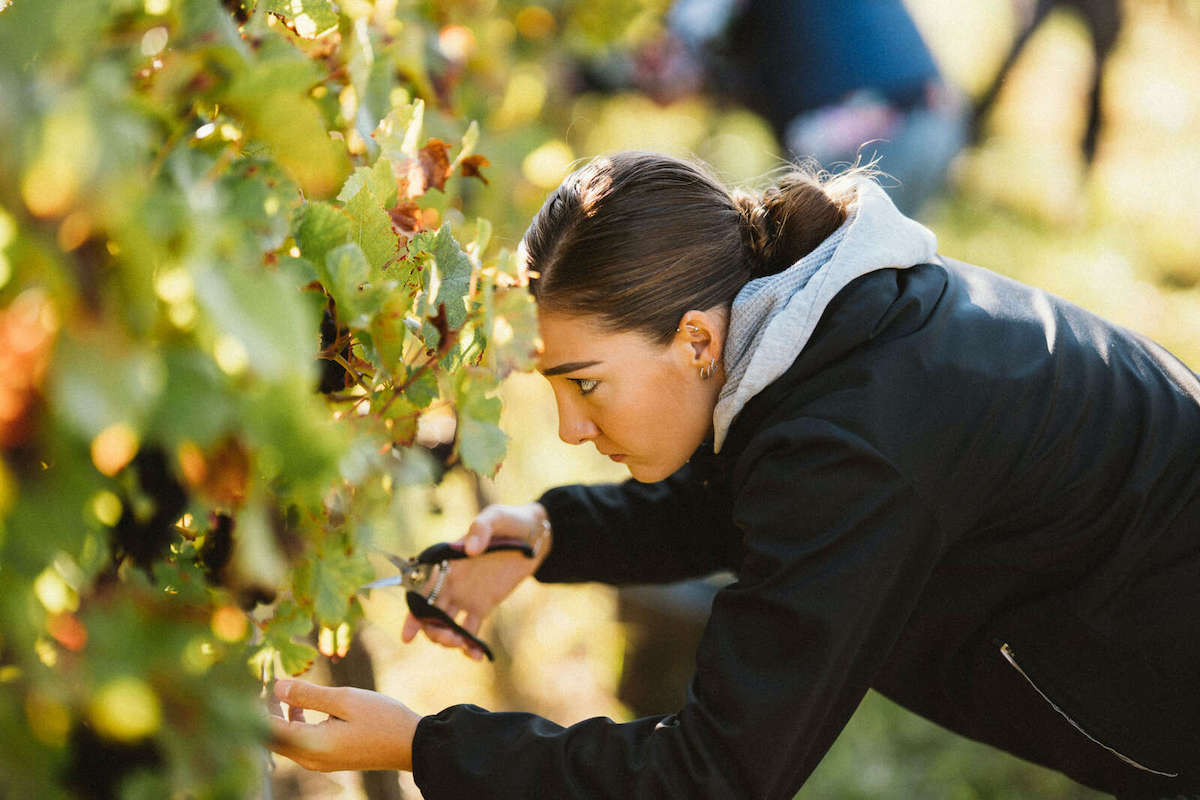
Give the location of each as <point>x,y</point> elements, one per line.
<point>358,378</point>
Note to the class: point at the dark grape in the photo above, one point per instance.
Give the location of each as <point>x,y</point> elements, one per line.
<point>247,597</point>
<point>218,546</point>
<point>334,377</point>
<point>238,9</point>
<point>144,540</point>
<point>443,459</point>
<point>98,765</point>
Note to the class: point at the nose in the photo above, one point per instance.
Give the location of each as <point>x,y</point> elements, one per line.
<point>574,424</point>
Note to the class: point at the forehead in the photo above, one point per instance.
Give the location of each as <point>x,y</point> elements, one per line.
<point>578,338</point>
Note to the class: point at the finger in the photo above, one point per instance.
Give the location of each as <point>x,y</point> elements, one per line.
<point>289,738</point>
<point>412,626</point>
<point>479,533</point>
<point>296,714</point>
<point>443,636</point>
<point>471,625</point>
<point>310,695</point>
<point>280,734</point>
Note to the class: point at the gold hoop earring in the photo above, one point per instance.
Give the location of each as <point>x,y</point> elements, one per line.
<point>707,372</point>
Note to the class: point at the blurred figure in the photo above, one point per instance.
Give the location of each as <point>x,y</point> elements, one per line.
<point>1103,20</point>
<point>839,82</point>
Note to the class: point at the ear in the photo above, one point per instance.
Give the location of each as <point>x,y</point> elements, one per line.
<point>702,333</point>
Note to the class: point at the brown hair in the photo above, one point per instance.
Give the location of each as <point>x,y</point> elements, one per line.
<point>637,239</point>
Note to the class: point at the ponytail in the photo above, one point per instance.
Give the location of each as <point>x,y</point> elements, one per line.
<point>788,220</point>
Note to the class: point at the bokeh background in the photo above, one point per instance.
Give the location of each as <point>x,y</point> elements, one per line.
<point>1121,238</point>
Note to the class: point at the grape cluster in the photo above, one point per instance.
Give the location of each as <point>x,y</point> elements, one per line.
<point>98,765</point>
<point>141,533</point>
<point>334,377</point>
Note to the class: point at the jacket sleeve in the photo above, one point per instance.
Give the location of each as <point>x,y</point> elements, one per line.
<point>634,532</point>
<point>839,547</point>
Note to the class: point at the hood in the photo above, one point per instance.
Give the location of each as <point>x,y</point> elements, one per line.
<point>772,317</point>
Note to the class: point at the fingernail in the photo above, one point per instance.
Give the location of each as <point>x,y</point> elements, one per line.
<point>283,689</point>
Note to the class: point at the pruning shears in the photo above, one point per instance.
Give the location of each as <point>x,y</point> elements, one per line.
<point>416,573</point>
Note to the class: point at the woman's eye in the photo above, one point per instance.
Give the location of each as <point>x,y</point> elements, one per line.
<point>586,385</point>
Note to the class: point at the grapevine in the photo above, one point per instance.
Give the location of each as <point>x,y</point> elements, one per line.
<point>232,285</point>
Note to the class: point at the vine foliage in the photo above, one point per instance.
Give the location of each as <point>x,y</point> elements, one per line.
<point>235,287</point>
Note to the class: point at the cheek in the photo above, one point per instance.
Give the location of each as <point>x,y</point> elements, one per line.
<point>661,414</point>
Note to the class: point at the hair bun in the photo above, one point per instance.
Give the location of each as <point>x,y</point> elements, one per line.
<point>756,234</point>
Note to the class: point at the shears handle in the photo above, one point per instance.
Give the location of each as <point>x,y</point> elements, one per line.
<point>427,612</point>
<point>443,551</point>
<point>423,608</point>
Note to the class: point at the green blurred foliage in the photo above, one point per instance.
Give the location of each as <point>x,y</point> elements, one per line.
<point>230,289</point>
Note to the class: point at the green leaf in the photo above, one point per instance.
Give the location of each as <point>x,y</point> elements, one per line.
<point>481,445</point>
<point>388,331</point>
<point>319,228</point>
<point>483,235</point>
<point>256,193</point>
<point>330,580</point>
<point>403,415</point>
<point>512,331</point>
<point>291,126</point>
<point>454,272</point>
<point>420,260</point>
<point>196,404</point>
<point>290,621</point>
<point>480,442</point>
<point>380,178</point>
<point>290,428</point>
<point>347,278</point>
<point>399,133</point>
<point>423,390</point>
<point>509,263</point>
<point>469,141</point>
<point>264,313</point>
<point>371,228</point>
<point>299,271</point>
<point>98,382</point>
<point>430,336</point>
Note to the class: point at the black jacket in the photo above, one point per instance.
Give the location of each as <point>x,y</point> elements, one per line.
<point>975,497</point>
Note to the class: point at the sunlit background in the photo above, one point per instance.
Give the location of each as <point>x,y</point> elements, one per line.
<point>1122,239</point>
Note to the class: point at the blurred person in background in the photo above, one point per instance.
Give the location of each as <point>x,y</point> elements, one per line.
<point>1102,18</point>
<point>842,83</point>
<point>973,496</point>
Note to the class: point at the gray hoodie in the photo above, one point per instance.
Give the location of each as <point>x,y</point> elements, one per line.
<point>772,317</point>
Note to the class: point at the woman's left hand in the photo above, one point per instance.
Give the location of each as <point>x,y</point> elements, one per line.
<point>365,730</point>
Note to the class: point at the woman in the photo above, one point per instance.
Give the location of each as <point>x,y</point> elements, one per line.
<point>975,497</point>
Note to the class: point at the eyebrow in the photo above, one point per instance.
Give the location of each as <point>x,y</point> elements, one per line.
<point>570,366</point>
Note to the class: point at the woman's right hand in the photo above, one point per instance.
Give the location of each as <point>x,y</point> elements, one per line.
<point>476,585</point>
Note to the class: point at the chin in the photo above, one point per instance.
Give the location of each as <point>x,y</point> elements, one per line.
<point>643,473</point>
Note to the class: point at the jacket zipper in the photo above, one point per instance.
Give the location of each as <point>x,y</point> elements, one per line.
<point>1007,652</point>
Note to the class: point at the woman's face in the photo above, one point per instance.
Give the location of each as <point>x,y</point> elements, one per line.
<point>640,403</point>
